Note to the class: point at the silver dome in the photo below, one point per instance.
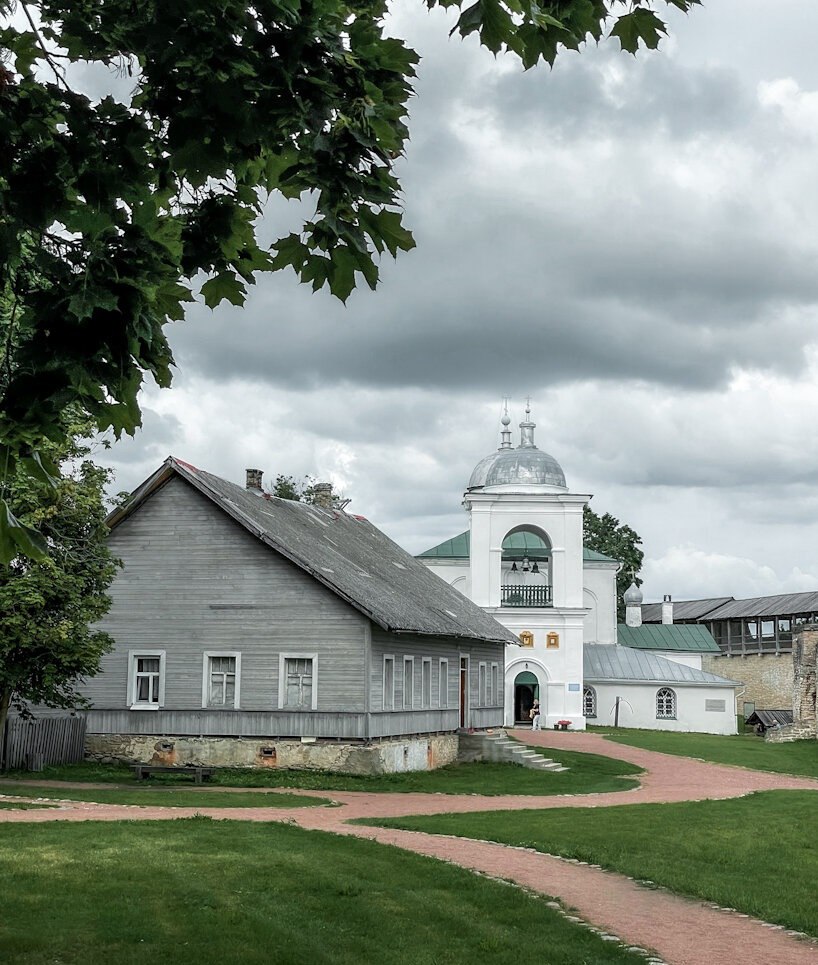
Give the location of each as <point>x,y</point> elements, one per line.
<point>526,465</point>
<point>633,595</point>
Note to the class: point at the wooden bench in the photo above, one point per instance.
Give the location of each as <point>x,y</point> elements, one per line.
<point>200,774</point>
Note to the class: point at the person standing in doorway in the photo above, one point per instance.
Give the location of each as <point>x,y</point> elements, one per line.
<point>535,716</point>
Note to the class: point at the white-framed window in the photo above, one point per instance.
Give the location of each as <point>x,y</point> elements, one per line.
<point>443,684</point>
<point>388,682</point>
<point>221,679</point>
<point>482,685</point>
<point>408,683</point>
<point>426,682</point>
<point>589,701</point>
<point>146,679</point>
<point>298,681</point>
<point>495,684</point>
<point>666,704</point>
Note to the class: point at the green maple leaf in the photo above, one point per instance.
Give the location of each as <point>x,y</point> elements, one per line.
<point>16,538</point>
<point>639,26</point>
<point>224,286</point>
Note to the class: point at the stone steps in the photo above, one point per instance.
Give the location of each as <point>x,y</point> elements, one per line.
<point>501,749</point>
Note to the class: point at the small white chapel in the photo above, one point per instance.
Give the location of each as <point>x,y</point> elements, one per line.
<point>522,559</point>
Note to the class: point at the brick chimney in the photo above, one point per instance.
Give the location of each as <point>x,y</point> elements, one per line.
<point>254,480</point>
<point>667,609</point>
<point>322,495</point>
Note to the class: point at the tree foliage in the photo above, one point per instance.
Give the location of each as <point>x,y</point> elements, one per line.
<point>302,491</point>
<point>113,215</point>
<point>607,535</point>
<point>48,607</point>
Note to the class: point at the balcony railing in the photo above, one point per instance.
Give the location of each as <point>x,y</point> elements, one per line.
<point>521,595</point>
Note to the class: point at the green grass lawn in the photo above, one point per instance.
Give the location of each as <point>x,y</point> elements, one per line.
<point>758,854</point>
<point>22,806</point>
<point>587,773</point>
<point>198,892</point>
<point>746,750</point>
<point>169,797</point>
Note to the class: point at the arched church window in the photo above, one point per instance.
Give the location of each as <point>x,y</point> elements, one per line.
<point>589,701</point>
<point>666,704</point>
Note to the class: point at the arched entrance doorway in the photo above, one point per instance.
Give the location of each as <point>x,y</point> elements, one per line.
<point>526,691</point>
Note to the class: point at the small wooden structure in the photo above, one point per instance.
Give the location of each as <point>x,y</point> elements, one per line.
<point>200,774</point>
<point>762,720</point>
<point>31,744</point>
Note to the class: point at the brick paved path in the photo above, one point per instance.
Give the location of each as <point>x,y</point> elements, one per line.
<point>682,931</point>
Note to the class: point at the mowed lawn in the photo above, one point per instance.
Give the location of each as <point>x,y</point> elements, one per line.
<point>169,797</point>
<point>758,854</point>
<point>587,774</point>
<point>200,892</point>
<point>745,750</point>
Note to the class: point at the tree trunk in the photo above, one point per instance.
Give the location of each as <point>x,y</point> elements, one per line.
<point>5,703</point>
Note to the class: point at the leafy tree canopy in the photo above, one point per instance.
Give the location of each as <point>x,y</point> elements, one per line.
<point>303,491</point>
<point>48,606</point>
<point>113,214</point>
<point>607,535</point>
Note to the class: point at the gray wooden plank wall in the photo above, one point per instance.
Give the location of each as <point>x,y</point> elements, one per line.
<point>401,646</point>
<point>195,581</point>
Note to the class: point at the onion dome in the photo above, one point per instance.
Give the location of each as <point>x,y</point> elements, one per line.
<point>525,466</point>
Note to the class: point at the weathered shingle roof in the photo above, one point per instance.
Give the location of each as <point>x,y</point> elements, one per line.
<point>667,636</point>
<point>683,609</point>
<point>604,662</point>
<point>459,548</point>
<point>346,553</point>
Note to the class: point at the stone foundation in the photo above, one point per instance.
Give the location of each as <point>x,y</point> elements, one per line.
<point>384,757</point>
<point>798,731</point>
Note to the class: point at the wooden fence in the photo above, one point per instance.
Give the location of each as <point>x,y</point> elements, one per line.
<point>49,740</point>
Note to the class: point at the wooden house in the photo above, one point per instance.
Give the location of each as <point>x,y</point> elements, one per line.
<point>256,630</point>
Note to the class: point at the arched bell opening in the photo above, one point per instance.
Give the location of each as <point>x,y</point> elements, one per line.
<point>525,579</point>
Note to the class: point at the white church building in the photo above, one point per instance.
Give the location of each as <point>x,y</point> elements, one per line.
<point>522,559</point>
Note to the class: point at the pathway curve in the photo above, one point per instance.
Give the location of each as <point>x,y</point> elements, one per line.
<point>682,931</point>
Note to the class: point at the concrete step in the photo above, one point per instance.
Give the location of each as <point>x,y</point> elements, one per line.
<point>500,748</point>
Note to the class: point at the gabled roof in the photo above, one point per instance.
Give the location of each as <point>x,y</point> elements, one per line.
<point>728,608</point>
<point>770,718</point>
<point>683,609</point>
<point>459,548</point>
<point>761,606</point>
<point>345,553</point>
<point>604,662</point>
<point>690,637</point>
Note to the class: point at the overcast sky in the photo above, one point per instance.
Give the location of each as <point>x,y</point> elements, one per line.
<point>631,242</point>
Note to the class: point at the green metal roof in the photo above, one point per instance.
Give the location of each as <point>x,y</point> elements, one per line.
<point>456,548</point>
<point>591,556</point>
<point>667,636</point>
<point>520,543</point>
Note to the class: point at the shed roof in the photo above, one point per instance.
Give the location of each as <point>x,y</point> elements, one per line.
<point>690,637</point>
<point>346,553</point>
<point>760,606</point>
<point>604,662</point>
<point>770,718</point>
<point>459,548</point>
<point>683,609</point>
